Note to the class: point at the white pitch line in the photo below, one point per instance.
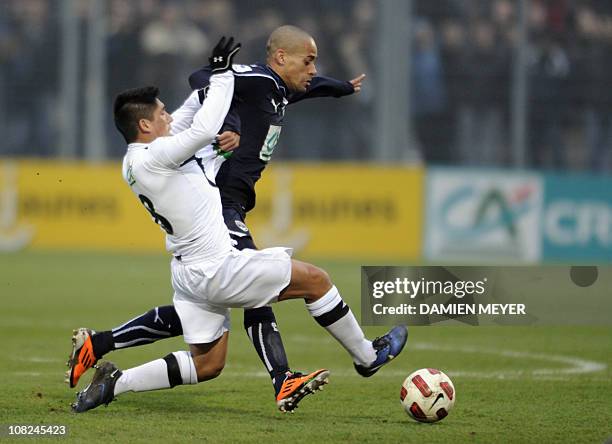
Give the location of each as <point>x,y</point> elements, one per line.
<point>501,375</point>
<point>575,365</point>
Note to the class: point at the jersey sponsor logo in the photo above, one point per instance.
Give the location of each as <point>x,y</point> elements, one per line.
<point>270,143</point>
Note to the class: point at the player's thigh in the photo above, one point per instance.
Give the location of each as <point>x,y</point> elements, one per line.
<point>202,323</point>
<point>250,278</point>
<point>307,281</point>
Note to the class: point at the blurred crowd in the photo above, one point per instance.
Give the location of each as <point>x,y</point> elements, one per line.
<point>464,82</point>
<point>463,73</point>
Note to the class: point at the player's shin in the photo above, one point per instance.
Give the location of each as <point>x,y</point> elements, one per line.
<point>174,369</point>
<point>260,325</point>
<point>332,313</point>
<point>158,323</point>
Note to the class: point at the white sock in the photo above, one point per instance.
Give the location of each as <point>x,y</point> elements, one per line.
<point>176,368</point>
<point>333,314</point>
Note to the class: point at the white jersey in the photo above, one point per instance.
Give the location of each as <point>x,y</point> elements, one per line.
<point>170,182</point>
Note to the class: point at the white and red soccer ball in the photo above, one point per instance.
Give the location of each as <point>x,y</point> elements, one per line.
<point>428,395</point>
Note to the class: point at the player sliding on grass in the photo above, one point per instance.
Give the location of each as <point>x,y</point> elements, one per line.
<point>260,95</point>
<point>208,275</point>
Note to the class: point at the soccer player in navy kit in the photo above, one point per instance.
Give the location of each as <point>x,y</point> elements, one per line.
<point>261,94</point>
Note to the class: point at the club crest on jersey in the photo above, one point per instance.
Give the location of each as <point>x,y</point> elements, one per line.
<point>130,176</point>
<point>241,225</point>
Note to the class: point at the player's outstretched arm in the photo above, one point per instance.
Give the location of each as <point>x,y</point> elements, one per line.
<point>208,119</point>
<point>329,87</point>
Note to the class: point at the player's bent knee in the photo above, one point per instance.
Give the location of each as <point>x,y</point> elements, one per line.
<point>307,282</point>
<point>209,371</point>
<point>319,280</point>
<point>214,371</point>
<point>207,368</point>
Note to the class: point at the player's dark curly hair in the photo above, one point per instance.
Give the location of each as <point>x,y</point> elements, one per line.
<point>131,106</point>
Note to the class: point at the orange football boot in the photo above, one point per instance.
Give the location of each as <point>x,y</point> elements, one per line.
<point>296,386</point>
<point>82,357</point>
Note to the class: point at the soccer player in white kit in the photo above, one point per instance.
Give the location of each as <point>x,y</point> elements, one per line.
<point>174,180</point>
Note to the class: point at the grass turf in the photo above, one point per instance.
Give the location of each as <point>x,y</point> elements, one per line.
<point>501,397</point>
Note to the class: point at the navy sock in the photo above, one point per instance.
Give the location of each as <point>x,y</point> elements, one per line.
<point>260,324</point>
<point>102,343</point>
<point>158,323</point>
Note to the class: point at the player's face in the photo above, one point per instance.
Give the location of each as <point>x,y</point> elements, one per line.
<point>300,66</point>
<point>160,125</point>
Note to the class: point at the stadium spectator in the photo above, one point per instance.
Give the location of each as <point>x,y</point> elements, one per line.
<point>485,100</point>
<point>356,36</point>
<point>503,18</point>
<point>549,75</point>
<point>344,41</point>
<point>453,37</point>
<point>31,50</point>
<point>174,42</point>
<point>124,29</point>
<point>595,81</point>
<point>429,102</point>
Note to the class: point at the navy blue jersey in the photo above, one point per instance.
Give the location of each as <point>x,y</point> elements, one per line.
<point>257,112</point>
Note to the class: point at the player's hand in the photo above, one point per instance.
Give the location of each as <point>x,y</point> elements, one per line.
<point>223,54</point>
<point>228,140</point>
<point>356,82</point>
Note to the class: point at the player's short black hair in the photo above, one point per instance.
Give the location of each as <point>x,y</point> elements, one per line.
<point>132,105</point>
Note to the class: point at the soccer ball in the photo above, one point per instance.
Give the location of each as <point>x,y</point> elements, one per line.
<point>428,395</point>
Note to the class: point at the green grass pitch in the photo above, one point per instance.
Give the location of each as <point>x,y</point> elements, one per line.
<point>514,384</point>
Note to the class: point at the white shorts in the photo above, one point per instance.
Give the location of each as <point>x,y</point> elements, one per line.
<point>247,279</point>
